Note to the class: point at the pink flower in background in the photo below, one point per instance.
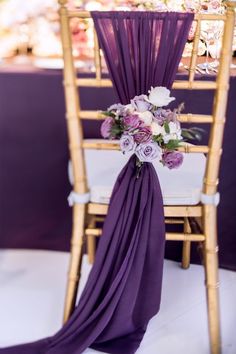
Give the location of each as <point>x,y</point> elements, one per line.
<point>192,31</point>
<point>106,127</point>
<point>191,5</point>
<point>215,4</point>
<point>172,159</point>
<point>148,152</point>
<point>143,135</point>
<point>126,143</point>
<point>131,121</point>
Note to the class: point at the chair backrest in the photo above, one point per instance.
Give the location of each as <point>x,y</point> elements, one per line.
<point>75,114</point>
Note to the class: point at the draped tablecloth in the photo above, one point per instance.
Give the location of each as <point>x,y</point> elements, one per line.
<point>33,160</point>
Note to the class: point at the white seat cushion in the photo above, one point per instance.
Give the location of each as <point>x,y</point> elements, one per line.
<point>179,186</point>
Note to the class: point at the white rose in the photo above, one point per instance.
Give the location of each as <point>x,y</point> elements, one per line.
<point>157,129</point>
<point>159,96</point>
<point>174,127</point>
<point>179,136</point>
<point>169,137</point>
<point>175,132</point>
<point>146,117</point>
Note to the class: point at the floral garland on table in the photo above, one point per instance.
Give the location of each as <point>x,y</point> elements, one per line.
<point>211,6</point>
<point>146,128</point>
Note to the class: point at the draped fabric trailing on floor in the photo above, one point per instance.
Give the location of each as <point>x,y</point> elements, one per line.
<point>124,287</point>
<point>123,290</point>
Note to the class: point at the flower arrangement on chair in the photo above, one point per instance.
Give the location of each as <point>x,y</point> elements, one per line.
<point>146,128</point>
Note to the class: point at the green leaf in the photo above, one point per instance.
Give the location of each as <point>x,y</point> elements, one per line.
<point>108,114</point>
<point>193,133</point>
<point>117,128</point>
<point>172,144</point>
<point>157,138</point>
<point>187,134</point>
<point>167,128</point>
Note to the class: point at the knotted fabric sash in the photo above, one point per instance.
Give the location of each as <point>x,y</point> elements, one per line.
<point>123,290</point>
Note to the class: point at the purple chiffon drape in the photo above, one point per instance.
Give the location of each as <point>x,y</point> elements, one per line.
<point>142,49</point>
<point>123,290</point>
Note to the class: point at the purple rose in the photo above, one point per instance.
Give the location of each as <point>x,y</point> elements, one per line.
<point>148,152</point>
<point>131,121</point>
<point>143,135</point>
<point>118,108</point>
<point>159,116</point>
<point>140,104</point>
<point>164,115</point>
<point>106,127</point>
<point>126,143</point>
<point>115,107</point>
<point>170,116</point>
<point>172,159</point>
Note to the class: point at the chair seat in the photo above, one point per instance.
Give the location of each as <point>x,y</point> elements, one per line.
<point>179,186</point>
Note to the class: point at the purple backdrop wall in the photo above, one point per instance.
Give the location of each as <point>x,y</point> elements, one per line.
<point>34,156</point>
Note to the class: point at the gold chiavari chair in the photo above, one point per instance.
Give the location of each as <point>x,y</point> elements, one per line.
<point>86,214</point>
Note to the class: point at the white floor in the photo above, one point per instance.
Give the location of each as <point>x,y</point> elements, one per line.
<point>32,285</point>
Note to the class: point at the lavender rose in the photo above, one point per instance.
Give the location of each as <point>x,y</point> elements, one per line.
<point>170,116</point>
<point>164,115</point>
<point>140,104</point>
<point>115,107</point>
<point>172,159</point>
<point>148,152</point>
<point>143,135</point>
<point>126,143</point>
<point>159,117</point>
<point>106,127</point>
<point>131,121</point>
<point>118,108</point>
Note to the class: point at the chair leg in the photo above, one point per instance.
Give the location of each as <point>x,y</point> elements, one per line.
<point>91,246</point>
<point>186,246</point>
<point>91,242</point>
<point>79,211</point>
<point>212,278</point>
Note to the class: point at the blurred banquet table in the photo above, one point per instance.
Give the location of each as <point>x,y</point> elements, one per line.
<point>33,160</point>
